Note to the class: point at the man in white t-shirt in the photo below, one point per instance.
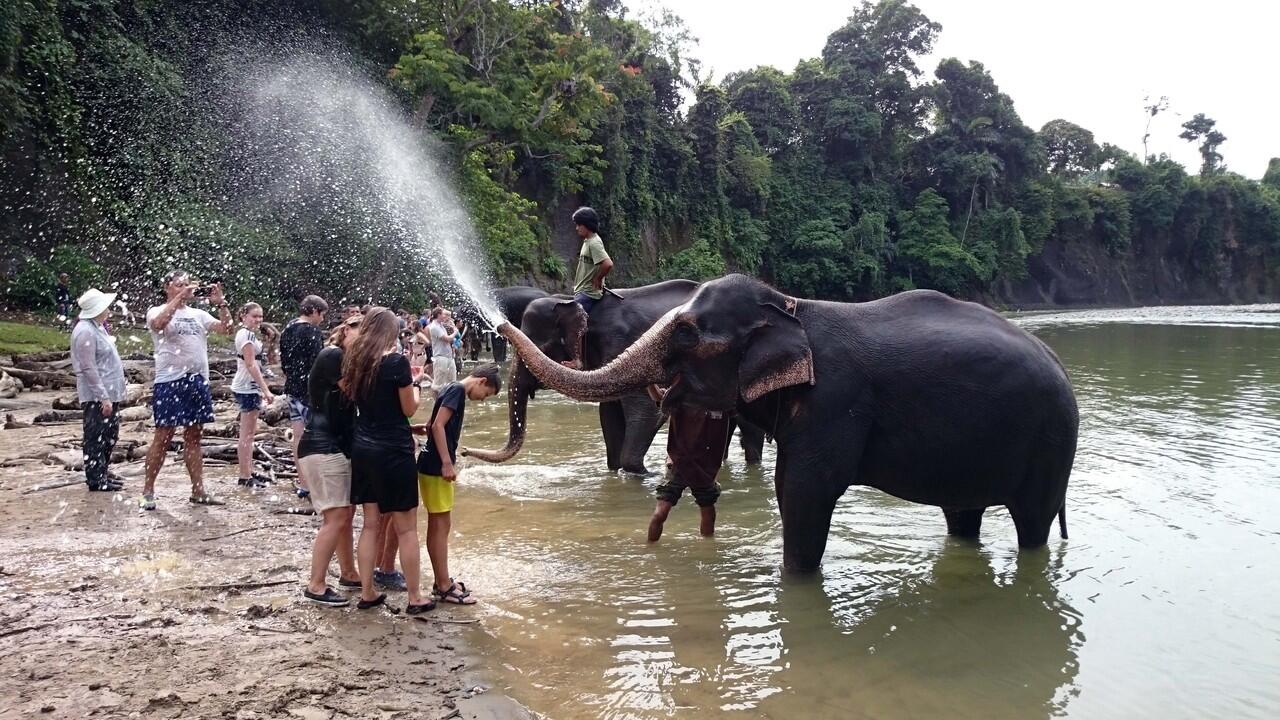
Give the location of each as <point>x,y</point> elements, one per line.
<point>442,331</point>
<point>180,396</point>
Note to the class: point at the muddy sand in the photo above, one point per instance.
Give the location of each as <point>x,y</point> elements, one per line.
<point>193,611</point>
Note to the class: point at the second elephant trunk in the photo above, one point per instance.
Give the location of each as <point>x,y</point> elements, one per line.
<point>517,405</point>
<point>638,367</point>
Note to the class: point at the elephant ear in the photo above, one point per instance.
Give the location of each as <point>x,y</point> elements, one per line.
<point>777,355</point>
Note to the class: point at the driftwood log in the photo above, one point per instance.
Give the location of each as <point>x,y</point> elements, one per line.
<point>44,378</point>
<point>133,394</point>
<point>44,357</point>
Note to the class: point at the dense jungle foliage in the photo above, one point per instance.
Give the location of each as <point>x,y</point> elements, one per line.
<point>853,175</point>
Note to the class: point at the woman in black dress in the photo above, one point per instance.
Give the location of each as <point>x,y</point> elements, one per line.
<point>384,476</point>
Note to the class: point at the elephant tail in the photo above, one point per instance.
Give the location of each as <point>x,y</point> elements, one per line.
<point>1062,520</point>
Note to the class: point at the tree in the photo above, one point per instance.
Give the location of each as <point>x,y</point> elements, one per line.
<point>1069,148</point>
<point>1201,128</point>
<point>1272,177</point>
<point>1151,109</point>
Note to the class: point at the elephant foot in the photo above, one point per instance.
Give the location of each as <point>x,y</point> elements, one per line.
<point>707,525</point>
<point>639,471</point>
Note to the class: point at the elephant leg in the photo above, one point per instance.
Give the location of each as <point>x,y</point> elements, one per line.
<point>643,418</point>
<point>809,496</point>
<point>613,425</point>
<point>963,523</point>
<point>1038,501</point>
<point>751,438</point>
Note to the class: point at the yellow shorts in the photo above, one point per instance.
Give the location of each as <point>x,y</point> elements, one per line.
<point>436,492</point>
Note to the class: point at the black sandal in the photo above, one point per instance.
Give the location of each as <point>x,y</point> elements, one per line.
<point>456,595</point>
<point>427,606</point>
<point>368,604</point>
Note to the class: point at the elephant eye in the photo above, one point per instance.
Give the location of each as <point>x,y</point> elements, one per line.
<point>685,336</point>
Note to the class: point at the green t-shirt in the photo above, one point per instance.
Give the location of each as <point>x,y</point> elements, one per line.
<point>591,255</point>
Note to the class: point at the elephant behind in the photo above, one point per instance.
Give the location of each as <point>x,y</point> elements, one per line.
<point>928,398</point>
<point>629,421</point>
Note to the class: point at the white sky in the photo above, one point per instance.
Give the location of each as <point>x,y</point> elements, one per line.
<point>1089,61</point>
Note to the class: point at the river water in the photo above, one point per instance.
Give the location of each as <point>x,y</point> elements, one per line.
<point>1165,602</point>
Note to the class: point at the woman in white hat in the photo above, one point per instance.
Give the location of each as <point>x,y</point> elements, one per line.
<point>99,385</point>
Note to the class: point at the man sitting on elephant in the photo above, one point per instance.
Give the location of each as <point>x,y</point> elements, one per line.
<point>697,441</point>
<point>594,264</point>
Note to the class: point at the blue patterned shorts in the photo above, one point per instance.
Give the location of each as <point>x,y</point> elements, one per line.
<point>298,409</point>
<point>249,402</point>
<point>183,402</point>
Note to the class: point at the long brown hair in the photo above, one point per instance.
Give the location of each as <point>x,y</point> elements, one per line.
<point>360,362</point>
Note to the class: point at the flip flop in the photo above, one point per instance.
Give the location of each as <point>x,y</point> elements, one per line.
<point>369,604</point>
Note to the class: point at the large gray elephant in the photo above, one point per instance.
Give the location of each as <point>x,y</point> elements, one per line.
<point>928,398</point>
<point>628,421</point>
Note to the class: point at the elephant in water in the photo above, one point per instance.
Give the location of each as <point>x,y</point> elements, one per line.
<point>927,398</point>
<point>629,420</point>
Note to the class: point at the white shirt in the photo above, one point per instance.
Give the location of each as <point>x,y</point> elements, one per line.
<point>99,372</point>
<point>182,348</point>
<point>243,382</point>
<point>441,344</point>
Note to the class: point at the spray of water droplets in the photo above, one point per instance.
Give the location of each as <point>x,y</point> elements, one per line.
<point>317,127</point>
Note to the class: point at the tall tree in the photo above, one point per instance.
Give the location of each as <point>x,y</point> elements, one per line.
<point>1069,148</point>
<point>1201,129</point>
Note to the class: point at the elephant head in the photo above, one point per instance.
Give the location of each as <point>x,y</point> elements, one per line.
<point>544,322</point>
<point>735,340</point>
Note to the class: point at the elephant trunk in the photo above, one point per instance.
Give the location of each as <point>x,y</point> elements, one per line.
<point>517,404</point>
<point>639,366</point>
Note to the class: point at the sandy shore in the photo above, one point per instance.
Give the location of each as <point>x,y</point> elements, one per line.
<point>112,612</point>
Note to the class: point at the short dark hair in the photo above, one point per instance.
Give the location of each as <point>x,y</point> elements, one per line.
<point>436,312</point>
<point>587,218</point>
<point>491,374</point>
<point>313,303</point>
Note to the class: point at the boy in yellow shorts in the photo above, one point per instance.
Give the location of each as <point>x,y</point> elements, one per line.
<point>436,472</point>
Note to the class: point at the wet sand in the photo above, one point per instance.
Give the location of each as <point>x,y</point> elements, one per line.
<point>108,612</point>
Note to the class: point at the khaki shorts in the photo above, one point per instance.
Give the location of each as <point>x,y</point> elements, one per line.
<point>443,372</point>
<point>329,480</point>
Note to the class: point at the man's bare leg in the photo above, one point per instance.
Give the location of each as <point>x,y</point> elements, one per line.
<point>660,513</point>
<point>297,438</point>
<point>707,526</point>
<point>194,459</point>
<point>155,458</point>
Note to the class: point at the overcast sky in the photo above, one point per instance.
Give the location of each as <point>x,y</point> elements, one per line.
<point>1088,61</point>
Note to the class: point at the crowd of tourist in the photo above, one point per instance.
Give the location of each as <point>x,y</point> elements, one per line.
<point>351,396</point>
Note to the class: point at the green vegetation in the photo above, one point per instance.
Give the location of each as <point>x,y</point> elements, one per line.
<point>855,174</point>
<point>21,338</point>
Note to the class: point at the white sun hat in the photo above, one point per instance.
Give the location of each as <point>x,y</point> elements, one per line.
<point>94,302</point>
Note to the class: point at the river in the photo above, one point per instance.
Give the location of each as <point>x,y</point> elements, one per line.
<point>1163,602</point>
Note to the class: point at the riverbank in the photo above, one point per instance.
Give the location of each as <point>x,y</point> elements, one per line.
<point>195,611</point>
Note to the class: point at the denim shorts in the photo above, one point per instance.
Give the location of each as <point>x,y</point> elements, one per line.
<point>586,301</point>
<point>298,409</point>
<point>249,402</point>
<point>183,402</point>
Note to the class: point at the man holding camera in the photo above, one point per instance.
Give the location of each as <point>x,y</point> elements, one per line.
<point>180,396</point>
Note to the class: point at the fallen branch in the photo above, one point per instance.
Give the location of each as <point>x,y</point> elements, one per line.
<point>245,530</point>
<point>53,486</point>
<point>446,621</point>
<point>239,586</point>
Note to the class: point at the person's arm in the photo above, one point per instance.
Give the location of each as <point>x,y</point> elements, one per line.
<point>602,269</point>
<point>86,352</point>
<point>443,416</point>
<point>408,388</point>
<point>449,330</point>
<point>225,324</point>
<point>255,372</point>
<point>162,318</point>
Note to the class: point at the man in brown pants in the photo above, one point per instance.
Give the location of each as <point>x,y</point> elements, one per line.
<point>696,444</point>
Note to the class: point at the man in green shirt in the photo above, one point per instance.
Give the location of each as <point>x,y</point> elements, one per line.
<point>588,279</point>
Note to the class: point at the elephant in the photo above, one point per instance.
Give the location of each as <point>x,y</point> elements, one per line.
<point>930,399</point>
<point>629,421</point>
<point>511,302</point>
